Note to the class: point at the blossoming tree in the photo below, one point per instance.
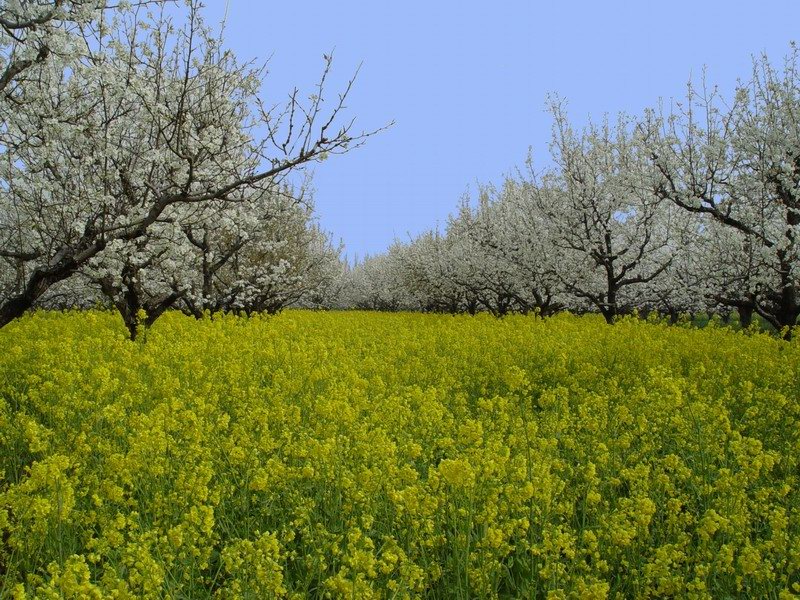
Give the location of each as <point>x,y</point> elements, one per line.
<point>739,165</point>
<point>139,120</point>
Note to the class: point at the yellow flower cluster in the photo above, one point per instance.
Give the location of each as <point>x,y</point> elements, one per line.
<point>356,455</point>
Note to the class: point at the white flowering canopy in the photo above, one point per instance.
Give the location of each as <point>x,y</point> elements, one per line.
<point>692,209</point>
<point>123,130</point>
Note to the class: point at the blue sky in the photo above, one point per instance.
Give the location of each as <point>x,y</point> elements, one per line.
<point>466,83</point>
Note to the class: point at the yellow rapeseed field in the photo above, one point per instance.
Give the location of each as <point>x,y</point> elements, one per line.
<point>356,455</point>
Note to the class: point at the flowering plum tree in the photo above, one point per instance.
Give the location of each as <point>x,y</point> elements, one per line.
<point>139,122</point>
<point>518,240</point>
<point>428,268</point>
<point>374,283</point>
<point>613,235</point>
<point>740,166</point>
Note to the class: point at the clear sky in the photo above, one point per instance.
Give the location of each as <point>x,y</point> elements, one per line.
<point>466,83</point>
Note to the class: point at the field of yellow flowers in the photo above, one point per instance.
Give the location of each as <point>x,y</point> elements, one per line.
<point>356,455</point>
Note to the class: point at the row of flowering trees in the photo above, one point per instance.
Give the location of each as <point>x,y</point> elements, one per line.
<point>141,166</point>
<point>687,209</point>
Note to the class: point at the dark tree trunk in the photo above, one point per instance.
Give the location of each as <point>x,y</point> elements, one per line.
<point>14,308</point>
<point>674,315</point>
<point>503,306</point>
<point>132,325</point>
<point>609,308</point>
<point>745,315</point>
<point>472,306</point>
<point>789,308</point>
<point>129,302</point>
<point>38,283</point>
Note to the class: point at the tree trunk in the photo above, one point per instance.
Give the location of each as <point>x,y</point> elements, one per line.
<point>609,309</point>
<point>745,315</point>
<point>132,325</point>
<point>14,308</point>
<point>472,307</point>
<point>788,311</point>
<point>38,283</point>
